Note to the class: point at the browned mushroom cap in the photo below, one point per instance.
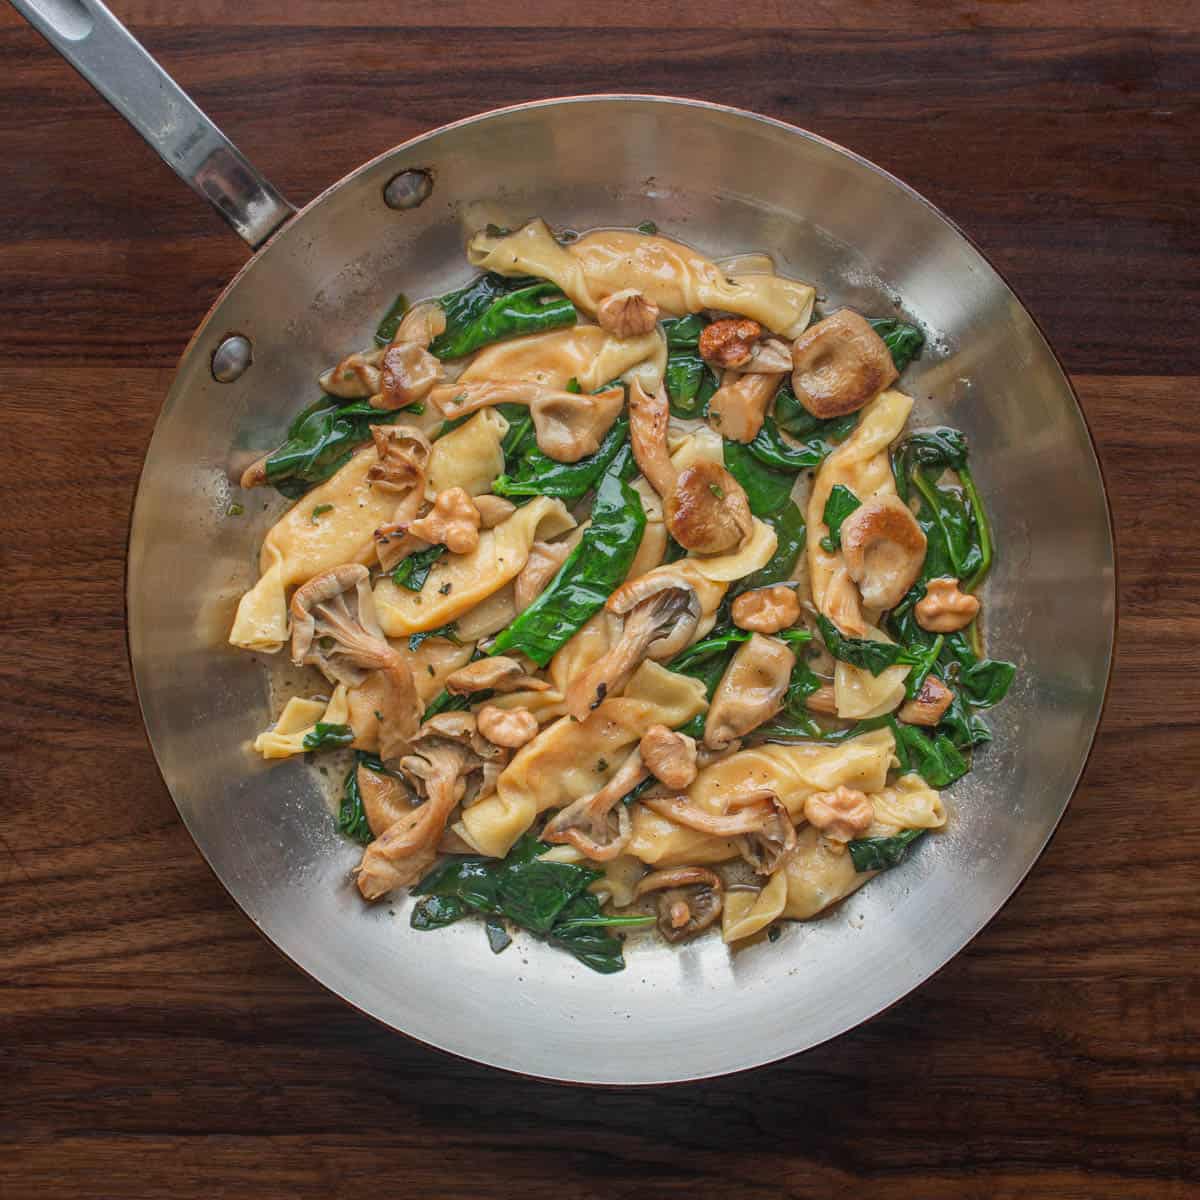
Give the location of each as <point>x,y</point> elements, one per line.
<point>929,705</point>
<point>690,900</point>
<point>884,549</point>
<point>840,364</point>
<point>445,751</point>
<point>751,691</point>
<point>568,425</point>
<point>766,848</point>
<point>408,374</point>
<point>403,452</point>
<point>667,616</point>
<point>649,417</point>
<point>498,674</point>
<point>707,511</point>
<point>590,824</point>
<point>738,406</point>
<point>355,378</point>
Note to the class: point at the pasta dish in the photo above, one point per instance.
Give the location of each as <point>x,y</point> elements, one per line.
<point>626,596</point>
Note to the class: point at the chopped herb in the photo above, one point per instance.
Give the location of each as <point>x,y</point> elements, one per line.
<point>449,632</point>
<point>328,737</point>
<point>319,511</point>
<point>496,230</point>
<point>444,590</point>
<point>717,490</point>
<point>601,764</point>
<point>648,228</point>
<point>234,510</point>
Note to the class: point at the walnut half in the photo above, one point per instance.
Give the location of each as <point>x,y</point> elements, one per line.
<point>841,815</point>
<point>944,608</point>
<point>766,610</point>
<point>453,521</point>
<point>670,756</point>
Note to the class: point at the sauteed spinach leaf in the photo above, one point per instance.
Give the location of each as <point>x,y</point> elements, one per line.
<point>539,475</point>
<point>905,341</point>
<point>493,308</point>
<point>877,854</point>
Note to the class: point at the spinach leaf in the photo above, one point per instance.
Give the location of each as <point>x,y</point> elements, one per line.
<point>768,447</point>
<point>539,475</point>
<point>905,341</point>
<point>446,701</point>
<point>875,657</point>
<point>707,661</point>
<point>449,632</point>
<point>493,309</point>
<point>319,442</point>
<point>795,420</point>
<point>520,436</point>
<point>787,730</point>
<point>391,321</point>
<point>690,384</point>
<point>877,854</point>
<point>937,760</point>
<point>547,898</point>
<point>648,228</point>
<point>328,737</point>
<point>352,819</point>
<point>413,571</point>
<point>840,504</point>
<point>591,572</point>
<point>683,333</point>
<point>767,490</point>
<point>963,725</point>
<point>985,680</point>
<point>926,656</point>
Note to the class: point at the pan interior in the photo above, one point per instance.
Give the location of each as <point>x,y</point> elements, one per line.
<point>727,182</point>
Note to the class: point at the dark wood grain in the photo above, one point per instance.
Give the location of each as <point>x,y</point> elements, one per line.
<point>152,1044</point>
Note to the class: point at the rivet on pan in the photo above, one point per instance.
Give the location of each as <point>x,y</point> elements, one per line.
<point>231,358</point>
<point>409,189</point>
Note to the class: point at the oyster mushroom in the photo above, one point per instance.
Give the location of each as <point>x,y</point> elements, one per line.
<point>842,604</point>
<point>750,692</point>
<point>356,377</point>
<point>660,614</point>
<point>540,567</point>
<point>403,452</point>
<point>759,826</point>
<point>823,701</point>
<point>421,324</point>
<point>493,510</point>
<point>669,755</point>
<point>445,752</point>
<point>385,799</point>
<point>498,674</point>
<point>771,356</point>
<point>590,825</point>
<point>689,900</point>
<point>408,373</point>
<point>334,628</point>
<point>840,364</point>
<point>883,548</point>
<point>627,314</point>
<point>568,425</point>
<point>738,406</point>
<point>649,417</point>
<point>707,510</point>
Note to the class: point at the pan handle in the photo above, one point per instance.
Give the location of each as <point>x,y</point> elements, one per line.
<point>107,55</point>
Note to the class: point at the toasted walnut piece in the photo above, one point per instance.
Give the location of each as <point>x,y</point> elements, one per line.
<point>356,377</point>
<point>823,701</point>
<point>649,417</point>
<point>408,374</point>
<point>840,365</point>
<point>766,610</point>
<point>739,405</point>
<point>508,727</point>
<point>750,692</point>
<point>884,549</point>
<point>772,356</point>
<point>841,815</point>
<point>690,901</point>
<point>453,521</point>
<point>929,705</point>
<point>627,314</point>
<point>496,674</point>
<point>707,511</point>
<point>729,342</point>
<point>493,510</point>
<point>670,755</point>
<point>944,608</point>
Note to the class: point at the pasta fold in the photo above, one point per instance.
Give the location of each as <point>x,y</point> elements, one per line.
<point>746,913</point>
<point>469,457</point>
<point>818,875</point>
<point>298,719</point>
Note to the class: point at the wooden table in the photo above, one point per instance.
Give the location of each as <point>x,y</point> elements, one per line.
<point>154,1045</point>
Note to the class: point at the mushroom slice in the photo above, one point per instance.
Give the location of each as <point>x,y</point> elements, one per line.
<point>588,823</point>
<point>670,756</point>
<point>403,452</point>
<point>627,314</point>
<point>498,674</point>
<point>356,377</point>
<point>664,619</point>
<point>840,365</point>
<point>689,901</point>
<point>738,406</point>
<point>569,425</point>
<point>771,356</point>
<point>649,417</point>
<point>823,701</point>
<point>929,705</point>
<point>884,549</point>
<point>421,324</point>
<point>334,628</point>
<point>765,849</point>
<point>756,809</point>
<point>751,691</point>
<point>707,511</point>
<point>540,567</point>
<point>842,604</point>
<point>493,510</point>
<point>444,752</point>
<point>408,374</point>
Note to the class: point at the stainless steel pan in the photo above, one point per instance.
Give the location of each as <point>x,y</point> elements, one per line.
<point>728,181</point>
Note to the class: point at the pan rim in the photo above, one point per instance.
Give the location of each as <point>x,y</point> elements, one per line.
<point>414,144</point>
